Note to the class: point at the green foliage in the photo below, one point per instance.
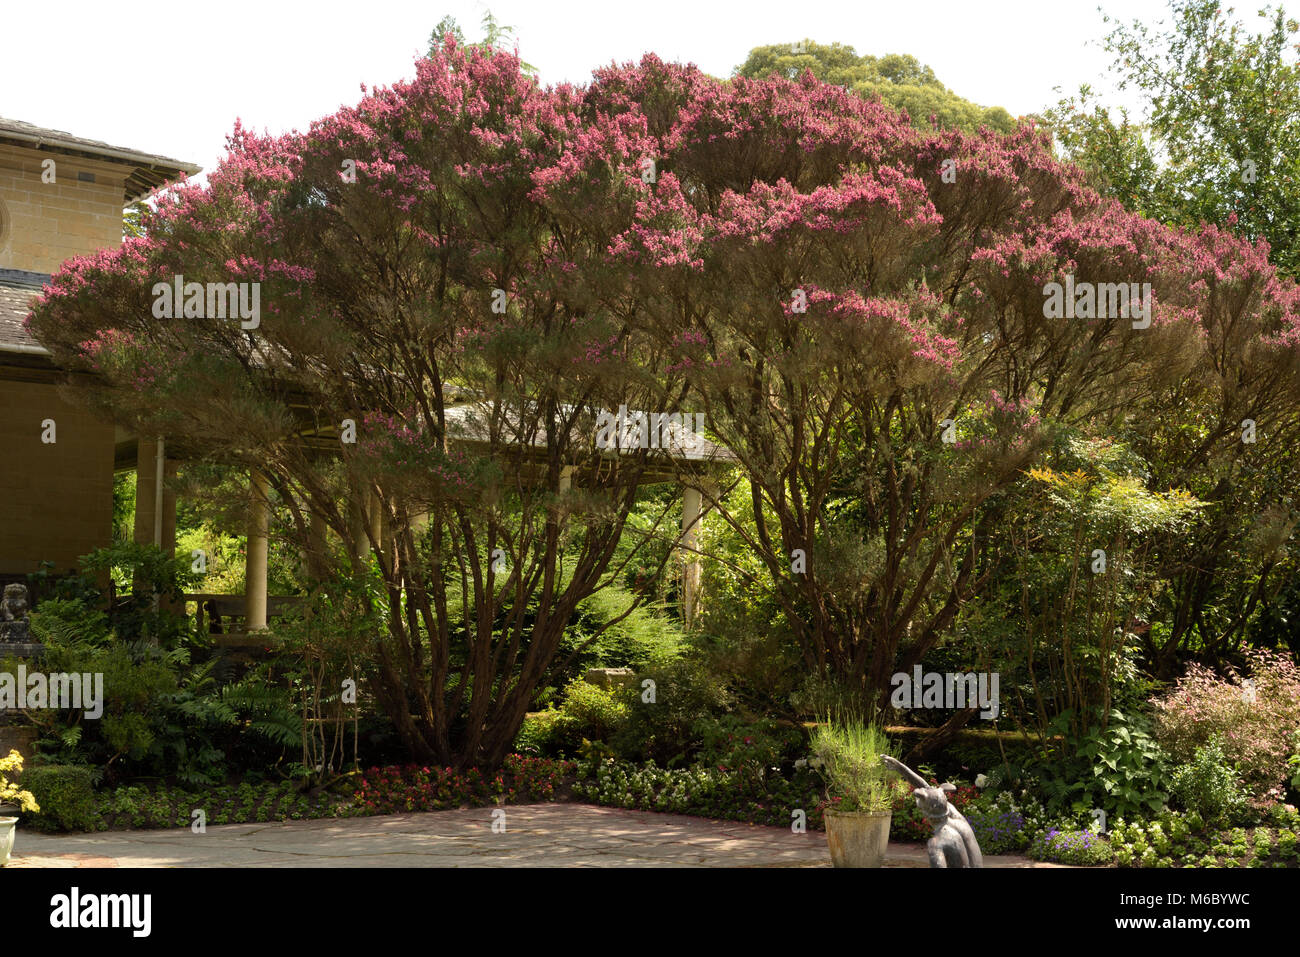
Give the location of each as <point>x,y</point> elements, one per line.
<point>1057,624</point>
<point>66,794</point>
<point>900,80</point>
<point>590,712</point>
<point>1116,766</point>
<point>1208,785</point>
<point>667,729</point>
<point>1079,848</point>
<point>602,635</point>
<point>743,635</point>
<point>162,714</point>
<point>147,581</point>
<point>1216,97</point>
<point>703,791</point>
<point>756,749</point>
<point>849,751</point>
<point>1185,840</point>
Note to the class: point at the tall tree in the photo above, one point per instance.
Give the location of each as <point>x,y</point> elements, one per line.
<point>437,335</point>
<point>1217,141</point>
<point>1220,138</point>
<point>863,310</point>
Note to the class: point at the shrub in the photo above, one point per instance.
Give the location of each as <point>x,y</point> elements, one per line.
<point>667,730</point>
<point>999,823</point>
<point>1256,724</point>
<point>537,735</point>
<point>598,712</point>
<point>1208,785</point>
<point>1080,848</point>
<point>752,748</point>
<point>700,790</point>
<point>66,795</point>
<point>1118,768</point>
<point>10,792</point>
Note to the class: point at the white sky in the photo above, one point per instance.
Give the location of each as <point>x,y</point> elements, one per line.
<point>171,78</point>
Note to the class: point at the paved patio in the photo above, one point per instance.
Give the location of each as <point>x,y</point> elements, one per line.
<point>536,835</point>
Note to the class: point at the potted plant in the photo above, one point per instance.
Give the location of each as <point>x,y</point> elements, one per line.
<point>860,794</point>
<point>9,793</point>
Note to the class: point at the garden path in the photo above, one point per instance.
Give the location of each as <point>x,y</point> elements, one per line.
<point>535,835</point>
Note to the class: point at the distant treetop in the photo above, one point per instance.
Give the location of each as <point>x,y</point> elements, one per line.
<point>900,80</point>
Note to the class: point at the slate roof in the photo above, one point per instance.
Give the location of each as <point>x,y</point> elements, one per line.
<point>17,289</point>
<point>150,169</point>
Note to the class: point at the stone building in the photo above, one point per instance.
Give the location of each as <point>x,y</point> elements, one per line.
<point>61,196</point>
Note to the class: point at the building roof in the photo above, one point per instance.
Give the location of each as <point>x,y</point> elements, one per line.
<point>17,289</point>
<point>149,170</point>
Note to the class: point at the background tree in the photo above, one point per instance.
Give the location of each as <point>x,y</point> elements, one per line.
<point>496,36</point>
<point>1219,143</point>
<point>899,80</point>
<point>1220,138</point>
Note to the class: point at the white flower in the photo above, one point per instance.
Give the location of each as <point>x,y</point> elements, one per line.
<point>981,780</point>
<point>801,763</point>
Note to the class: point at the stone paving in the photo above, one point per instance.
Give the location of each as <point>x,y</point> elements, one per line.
<point>536,835</point>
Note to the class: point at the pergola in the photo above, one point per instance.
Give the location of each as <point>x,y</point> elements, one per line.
<point>687,459</point>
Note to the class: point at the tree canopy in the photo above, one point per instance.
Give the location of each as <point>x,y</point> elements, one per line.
<point>1220,138</point>
<point>899,80</point>
<point>469,267</point>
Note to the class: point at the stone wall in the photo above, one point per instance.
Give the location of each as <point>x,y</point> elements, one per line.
<point>56,500</point>
<point>42,224</point>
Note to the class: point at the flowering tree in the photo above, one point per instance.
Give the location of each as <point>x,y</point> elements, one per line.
<point>866,318</point>
<point>466,268</point>
<point>439,326</point>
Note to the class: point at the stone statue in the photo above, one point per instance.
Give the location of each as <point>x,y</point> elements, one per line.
<point>953,843</point>
<point>14,605</point>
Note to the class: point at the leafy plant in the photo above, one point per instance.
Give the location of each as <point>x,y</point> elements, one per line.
<point>1208,784</point>
<point>66,794</point>
<point>1257,720</point>
<point>1080,848</point>
<point>849,751</point>
<point>1116,767</point>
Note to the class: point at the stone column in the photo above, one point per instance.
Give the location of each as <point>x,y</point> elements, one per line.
<point>259,521</point>
<point>155,503</point>
<point>692,513</point>
<point>151,471</point>
<point>696,503</point>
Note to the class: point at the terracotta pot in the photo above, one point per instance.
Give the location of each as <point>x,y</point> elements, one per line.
<point>8,825</point>
<point>858,838</point>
